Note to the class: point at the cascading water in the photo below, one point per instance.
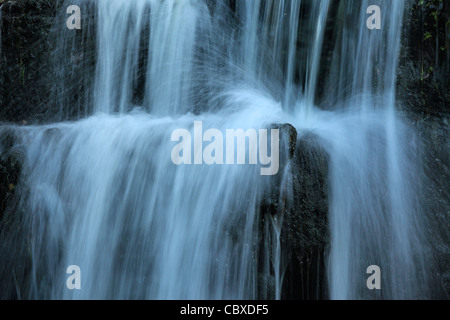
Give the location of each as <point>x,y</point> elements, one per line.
<point>105,195</point>
<point>173,26</point>
<point>375,213</point>
<point>137,226</point>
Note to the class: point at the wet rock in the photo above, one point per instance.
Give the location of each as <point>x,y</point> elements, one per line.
<point>423,93</point>
<point>7,140</point>
<point>11,165</point>
<point>306,225</point>
<point>423,84</point>
<point>39,72</point>
<point>305,235</point>
<point>266,285</point>
<point>24,63</point>
<point>289,137</point>
<point>446,281</point>
<point>287,147</point>
<point>304,215</point>
<point>433,134</point>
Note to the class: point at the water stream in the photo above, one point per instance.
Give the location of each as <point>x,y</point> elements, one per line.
<point>105,195</point>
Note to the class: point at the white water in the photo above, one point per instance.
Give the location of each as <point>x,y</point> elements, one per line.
<point>174,26</point>
<point>105,195</point>
<point>375,213</point>
<point>138,226</point>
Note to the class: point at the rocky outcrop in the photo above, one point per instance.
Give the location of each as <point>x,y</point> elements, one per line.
<point>433,133</point>
<point>12,160</point>
<point>33,64</point>
<point>39,71</point>
<point>24,64</point>
<point>423,84</point>
<point>423,92</point>
<point>306,234</point>
<point>14,232</point>
<point>303,215</point>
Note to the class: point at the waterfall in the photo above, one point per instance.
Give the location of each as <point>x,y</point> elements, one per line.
<point>313,69</point>
<point>137,226</point>
<point>103,193</point>
<point>173,28</point>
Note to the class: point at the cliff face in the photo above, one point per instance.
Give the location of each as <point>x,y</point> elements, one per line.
<point>29,45</point>
<point>423,81</point>
<point>25,60</point>
<point>39,73</point>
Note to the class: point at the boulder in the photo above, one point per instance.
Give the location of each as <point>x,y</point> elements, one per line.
<point>11,165</point>
<point>304,233</point>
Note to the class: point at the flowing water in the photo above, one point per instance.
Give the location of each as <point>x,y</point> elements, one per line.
<point>105,195</point>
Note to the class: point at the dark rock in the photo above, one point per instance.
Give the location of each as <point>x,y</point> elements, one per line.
<point>288,142</point>
<point>7,140</point>
<point>14,234</point>
<point>305,231</point>
<point>11,165</point>
<point>266,285</point>
<point>304,215</point>
<point>307,226</point>
<point>433,132</point>
<point>24,62</point>
<point>423,92</point>
<point>446,281</point>
<point>289,136</point>
<point>423,84</point>
<point>39,71</point>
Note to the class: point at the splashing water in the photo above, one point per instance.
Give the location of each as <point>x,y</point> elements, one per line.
<point>104,194</point>
<point>375,214</point>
